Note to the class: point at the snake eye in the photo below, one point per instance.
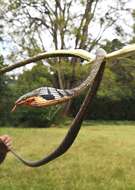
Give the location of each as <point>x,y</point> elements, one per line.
<point>29,100</point>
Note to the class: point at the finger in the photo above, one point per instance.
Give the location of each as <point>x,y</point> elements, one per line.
<point>8,144</point>
<point>3,137</point>
<point>6,139</point>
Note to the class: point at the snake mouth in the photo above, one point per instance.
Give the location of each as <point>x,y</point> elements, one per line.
<point>17,103</point>
<point>27,101</point>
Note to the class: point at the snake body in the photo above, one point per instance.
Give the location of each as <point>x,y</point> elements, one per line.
<point>54,96</point>
<point>48,96</point>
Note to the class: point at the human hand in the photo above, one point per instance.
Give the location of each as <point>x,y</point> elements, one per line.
<point>6,139</point>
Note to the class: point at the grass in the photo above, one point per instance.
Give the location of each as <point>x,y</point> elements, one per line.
<point>102,158</point>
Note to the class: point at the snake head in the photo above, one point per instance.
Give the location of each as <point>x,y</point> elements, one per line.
<point>26,99</point>
<point>44,97</point>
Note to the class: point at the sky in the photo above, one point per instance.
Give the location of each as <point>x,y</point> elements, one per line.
<point>127,24</point>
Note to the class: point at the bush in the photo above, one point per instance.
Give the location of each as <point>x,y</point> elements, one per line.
<point>104,108</point>
<point>35,117</point>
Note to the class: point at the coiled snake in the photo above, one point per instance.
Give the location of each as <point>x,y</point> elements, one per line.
<point>46,96</point>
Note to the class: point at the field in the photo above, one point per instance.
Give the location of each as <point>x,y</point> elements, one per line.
<point>102,158</point>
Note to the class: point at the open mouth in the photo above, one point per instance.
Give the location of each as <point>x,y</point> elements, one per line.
<point>17,103</point>
<point>28,101</point>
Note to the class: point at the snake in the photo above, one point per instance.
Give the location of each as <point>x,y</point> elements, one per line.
<point>49,96</point>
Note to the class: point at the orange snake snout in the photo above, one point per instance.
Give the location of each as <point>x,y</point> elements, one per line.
<point>27,101</point>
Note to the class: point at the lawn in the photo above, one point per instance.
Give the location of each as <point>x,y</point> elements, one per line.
<point>102,158</point>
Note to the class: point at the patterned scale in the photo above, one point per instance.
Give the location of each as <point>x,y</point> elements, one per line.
<point>49,93</point>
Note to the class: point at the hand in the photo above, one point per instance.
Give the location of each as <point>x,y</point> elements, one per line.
<point>6,140</point>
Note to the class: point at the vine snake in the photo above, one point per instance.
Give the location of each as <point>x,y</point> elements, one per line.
<point>46,96</point>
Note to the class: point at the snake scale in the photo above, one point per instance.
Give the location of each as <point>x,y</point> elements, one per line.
<point>46,96</point>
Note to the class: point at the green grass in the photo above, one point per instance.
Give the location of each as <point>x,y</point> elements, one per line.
<point>102,158</point>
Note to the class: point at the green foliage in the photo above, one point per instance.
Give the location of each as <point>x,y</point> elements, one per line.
<point>32,117</point>
<point>5,95</point>
<point>113,45</point>
<point>118,81</point>
<point>105,108</point>
<point>31,79</point>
